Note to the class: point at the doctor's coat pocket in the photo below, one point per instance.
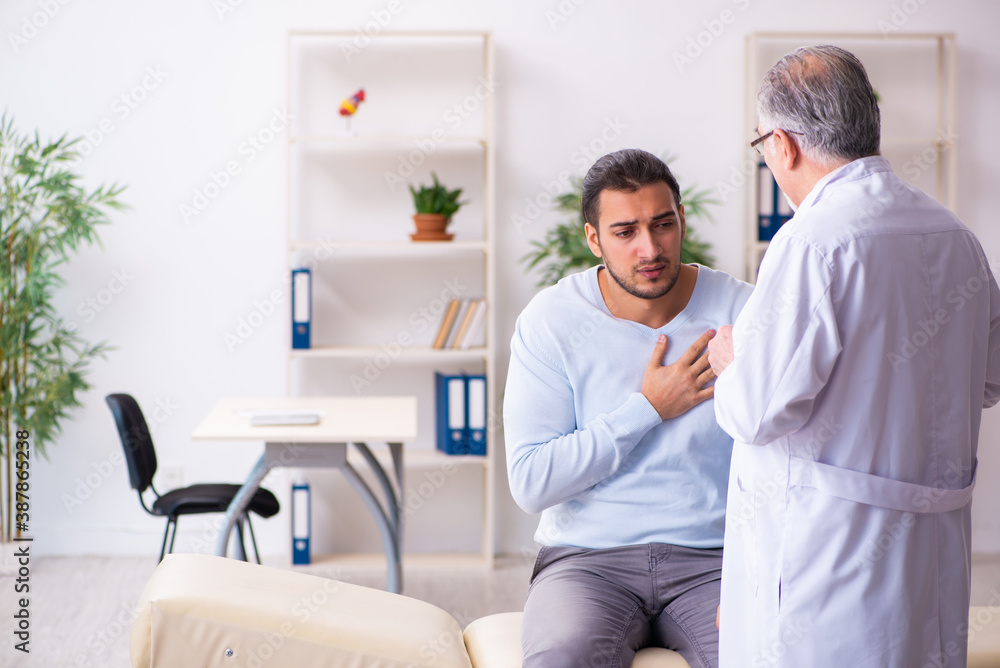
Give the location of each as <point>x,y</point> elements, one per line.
<point>741,534</point>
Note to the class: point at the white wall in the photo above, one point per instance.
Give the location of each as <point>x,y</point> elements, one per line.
<point>569,72</point>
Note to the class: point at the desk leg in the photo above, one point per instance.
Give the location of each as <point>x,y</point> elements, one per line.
<point>391,498</point>
<point>396,450</point>
<point>389,537</point>
<point>240,502</point>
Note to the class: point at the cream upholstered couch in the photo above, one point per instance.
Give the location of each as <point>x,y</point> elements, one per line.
<point>211,612</point>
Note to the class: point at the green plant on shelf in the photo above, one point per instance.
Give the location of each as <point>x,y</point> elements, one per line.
<point>436,199</point>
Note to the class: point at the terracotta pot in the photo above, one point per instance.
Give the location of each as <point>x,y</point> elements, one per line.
<point>430,227</point>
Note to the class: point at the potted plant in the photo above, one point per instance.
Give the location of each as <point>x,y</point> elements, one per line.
<point>435,205</point>
<point>45,215</point>
<point>564,249</point>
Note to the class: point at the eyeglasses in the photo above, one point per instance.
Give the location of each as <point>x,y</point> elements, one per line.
<point>756,143</point>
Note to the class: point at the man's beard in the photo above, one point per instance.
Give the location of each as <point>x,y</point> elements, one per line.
<point>670,270</point>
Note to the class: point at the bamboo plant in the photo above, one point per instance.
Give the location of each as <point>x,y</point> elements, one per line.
<point>45,216</point>
<point>564,249</point>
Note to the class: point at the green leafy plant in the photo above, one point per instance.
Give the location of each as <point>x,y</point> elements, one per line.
<point>45,215</point>
<point>564,249</point>
<point>436,199</point>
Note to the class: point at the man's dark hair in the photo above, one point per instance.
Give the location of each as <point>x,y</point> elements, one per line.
<point>627,171</point>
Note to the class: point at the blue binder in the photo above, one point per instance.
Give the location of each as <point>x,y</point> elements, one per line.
<point>475,415</point>
<point>301,308</point>
<point>450,406</point>
<point>301,523</point>
<point>773,210</point>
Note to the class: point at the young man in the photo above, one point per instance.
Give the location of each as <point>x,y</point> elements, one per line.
<point>863,362</point>
<point>611,434</point>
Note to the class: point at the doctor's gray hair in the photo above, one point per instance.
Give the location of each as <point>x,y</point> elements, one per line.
<point>822,93</point>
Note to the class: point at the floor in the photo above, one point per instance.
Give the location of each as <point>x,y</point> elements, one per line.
<point>81,607</point>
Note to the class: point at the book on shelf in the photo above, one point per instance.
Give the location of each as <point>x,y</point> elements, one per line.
<point>463,309</point>
<point>474,333</point>
<point>461,325</point>
<point>447,320</point>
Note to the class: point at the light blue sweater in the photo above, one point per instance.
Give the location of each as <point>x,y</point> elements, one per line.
<point>586,449</point>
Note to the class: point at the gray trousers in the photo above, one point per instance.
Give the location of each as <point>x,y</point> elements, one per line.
<point>596,608</point>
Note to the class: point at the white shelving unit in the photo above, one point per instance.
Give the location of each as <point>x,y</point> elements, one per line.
<point>378,297</point>
<point>915,77</point>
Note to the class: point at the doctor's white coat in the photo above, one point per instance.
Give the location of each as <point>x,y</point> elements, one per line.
<point>864,359</point>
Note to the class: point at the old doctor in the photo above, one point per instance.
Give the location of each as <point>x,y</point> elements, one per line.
<point>853,383</point>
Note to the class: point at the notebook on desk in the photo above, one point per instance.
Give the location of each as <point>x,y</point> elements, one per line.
<point>282,417</point>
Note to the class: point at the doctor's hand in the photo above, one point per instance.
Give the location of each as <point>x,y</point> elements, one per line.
<point>720,350</point>
<point>677,388</point>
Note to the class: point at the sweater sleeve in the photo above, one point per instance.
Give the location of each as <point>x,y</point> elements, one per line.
<point>551,459</point>
<point>992,393</point>
<point>786,343</point>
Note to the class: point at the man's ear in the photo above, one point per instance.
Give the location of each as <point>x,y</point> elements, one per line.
<point>786,148</point>
<point>592,241</point>
<point>680,214</point>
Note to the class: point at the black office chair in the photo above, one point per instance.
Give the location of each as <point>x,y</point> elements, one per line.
<point>195,499</point>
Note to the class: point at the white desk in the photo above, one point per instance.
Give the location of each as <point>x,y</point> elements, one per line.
<point>345,420</point>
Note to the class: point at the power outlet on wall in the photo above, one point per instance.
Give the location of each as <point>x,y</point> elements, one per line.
<point>169,478</point>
